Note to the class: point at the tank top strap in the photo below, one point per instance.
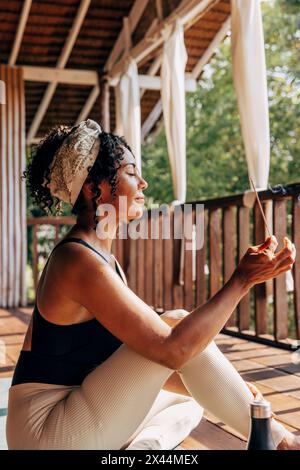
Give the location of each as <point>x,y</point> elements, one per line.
<point>81,242</point>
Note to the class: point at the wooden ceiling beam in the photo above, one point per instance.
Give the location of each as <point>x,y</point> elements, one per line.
<point>127,37</point>
<point>56,75</point>
<point>151,119</point>
<point>88,104</point>
<point>157,109</point>
<point>150,82</point>
<point>90,77</point>
<point>188,12</point>
<point>64,56</point>
<point>206,56</point>
<point>133,18</point>
<point>20,32</point>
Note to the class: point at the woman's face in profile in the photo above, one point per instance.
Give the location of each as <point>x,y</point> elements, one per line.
<point>129,200</point>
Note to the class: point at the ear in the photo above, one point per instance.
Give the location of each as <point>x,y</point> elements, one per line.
<point>87,189</point>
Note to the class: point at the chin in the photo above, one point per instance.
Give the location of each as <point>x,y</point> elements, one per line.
<point>138,215</point>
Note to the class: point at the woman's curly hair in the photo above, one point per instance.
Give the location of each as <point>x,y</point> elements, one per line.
<point>105,168</point>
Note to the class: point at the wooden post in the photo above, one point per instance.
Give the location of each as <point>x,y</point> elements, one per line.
<point>104,105</point>
<point>13,235</point>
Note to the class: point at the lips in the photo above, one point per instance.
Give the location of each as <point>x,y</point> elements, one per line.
<point>140,199</point>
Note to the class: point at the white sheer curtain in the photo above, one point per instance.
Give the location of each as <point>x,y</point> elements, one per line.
<point>128,110</point>
<point>250,80</point>
<point>174,59</point>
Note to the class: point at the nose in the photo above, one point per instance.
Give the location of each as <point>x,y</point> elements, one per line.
<point>143,183</point>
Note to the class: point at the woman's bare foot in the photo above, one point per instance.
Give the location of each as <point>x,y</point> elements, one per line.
<point>289,442</point>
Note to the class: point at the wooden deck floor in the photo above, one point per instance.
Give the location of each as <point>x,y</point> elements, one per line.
<point>271,369</point>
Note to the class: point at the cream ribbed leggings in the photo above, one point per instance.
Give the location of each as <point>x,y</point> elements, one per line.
<point>121,398</point>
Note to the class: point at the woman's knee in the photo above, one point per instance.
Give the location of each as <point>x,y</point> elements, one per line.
<point>196,413</point>
<point>193,411</point>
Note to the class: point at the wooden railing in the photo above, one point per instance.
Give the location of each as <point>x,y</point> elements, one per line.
<point>269,313</point>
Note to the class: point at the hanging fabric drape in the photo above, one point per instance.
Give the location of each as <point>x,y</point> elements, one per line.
<point>13,239</point>
<point>249,75</point>
<point>128,110</point>
<point>174,59</point>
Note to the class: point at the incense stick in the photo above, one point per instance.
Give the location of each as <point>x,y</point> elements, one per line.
<point>260,206</point>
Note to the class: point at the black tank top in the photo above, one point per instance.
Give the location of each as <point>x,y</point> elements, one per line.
<point>64,354</point>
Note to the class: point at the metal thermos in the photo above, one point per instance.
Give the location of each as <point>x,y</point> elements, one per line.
<point>260,436</point>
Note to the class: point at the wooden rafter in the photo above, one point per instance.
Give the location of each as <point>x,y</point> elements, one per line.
<point>88,104</point>
<point>151,119</point>
<point>53,74</point>
<point>157,109</point>
<point>133,18</point>
<point>152,71</point>
<point>154,83</point>
<point>159,9</point>
<point>65,54</point>
<point>129,24</point>
<point>206,56</point>
<point>188,12</point>
<point>20,31</point>
<point>90,77</point>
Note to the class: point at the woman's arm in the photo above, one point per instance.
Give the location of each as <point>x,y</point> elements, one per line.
<point>100,290</point>
<point>199,328</point>
<point>195,331</point>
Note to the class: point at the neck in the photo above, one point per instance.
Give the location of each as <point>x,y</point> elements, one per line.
<point>85,224</point>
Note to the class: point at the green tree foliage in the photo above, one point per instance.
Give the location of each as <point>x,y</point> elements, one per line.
<point>216,163</point>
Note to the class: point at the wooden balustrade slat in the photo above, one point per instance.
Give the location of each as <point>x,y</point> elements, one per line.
<point>177,286</point>
<point>132,265</point>
<point>119,251</point>
<point>296,268</point>
<point>168,264</point>
<point>215,259</point>
<point>158,270</point>
<point>149,267</point>
<point>280,293</point>
<point>243,244</point>
<point>229,250</point>
<point>201,289</point>
<point>260,289</point>
<point>57,230</point>
<point>141,268</point>
<point>188,288</point>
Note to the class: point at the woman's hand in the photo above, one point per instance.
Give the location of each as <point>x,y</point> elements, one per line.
<point>261,263</point>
